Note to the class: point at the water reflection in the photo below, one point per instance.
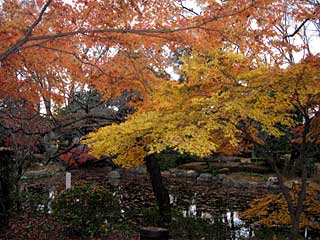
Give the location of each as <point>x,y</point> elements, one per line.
<point>206,212</point>
<point>229,220</point>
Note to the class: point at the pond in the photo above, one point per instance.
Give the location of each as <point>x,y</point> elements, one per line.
<point>200,210</point>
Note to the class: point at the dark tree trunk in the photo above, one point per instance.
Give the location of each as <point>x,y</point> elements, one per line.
<point>295,210</point>
<point>159,190</point>
<point>6,185</point>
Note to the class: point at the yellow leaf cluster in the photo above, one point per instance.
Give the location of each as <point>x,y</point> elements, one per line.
<point>272,210</point>
<point>204,114</point>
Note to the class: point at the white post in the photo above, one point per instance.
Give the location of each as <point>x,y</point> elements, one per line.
<point>68,180</point>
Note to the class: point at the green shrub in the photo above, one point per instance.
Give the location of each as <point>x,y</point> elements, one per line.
<point>87,210</point>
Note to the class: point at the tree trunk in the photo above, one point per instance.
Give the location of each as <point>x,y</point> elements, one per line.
<point>159,190</point>
<point>6,185</point>
<point>294,235</point>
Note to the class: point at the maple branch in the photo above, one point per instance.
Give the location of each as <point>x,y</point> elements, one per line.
<point>189,9</point>
<point>135,31</point>
<point>297,30</point>
<point>27,34</point>
<point>68,53</point>
<point>27,37</point>
<point>64,125</point>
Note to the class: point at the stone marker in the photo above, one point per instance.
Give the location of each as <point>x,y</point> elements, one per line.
<point>68,180</point>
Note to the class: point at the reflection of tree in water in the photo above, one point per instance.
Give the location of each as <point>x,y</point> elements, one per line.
<point>212,208</point>
<point>218,222</point>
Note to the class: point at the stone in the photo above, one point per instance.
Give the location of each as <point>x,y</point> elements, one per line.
<point>273,180</point>
<point>173,170</point>
<point>114,182</point>
<point>68,180</point>
<point>317,167</point>
<point>224,170</point>
<point>226,158</point>
<point>114,175</point>
<point>165,174</point>
<point>191,174</point>
<point>241,183</point>
<point>229,181</point>
<point>253,184</point>
<point>245,160</point>
<point>220,177</point>
<point>291,184</point>
<point>273,183</point>
<point>138,170</point>
<point>180,173</point>
<point>206,177</point>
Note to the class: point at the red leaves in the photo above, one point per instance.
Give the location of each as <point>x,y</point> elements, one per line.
<point>77,156</point>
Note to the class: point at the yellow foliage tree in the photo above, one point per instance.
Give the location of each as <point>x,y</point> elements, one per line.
<point>225,100</point>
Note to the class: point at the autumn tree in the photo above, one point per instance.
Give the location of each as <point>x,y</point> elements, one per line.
<point>225,101</point>
<point>116,45</point>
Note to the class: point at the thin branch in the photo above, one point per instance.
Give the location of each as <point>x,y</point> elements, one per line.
<point>68,53</point>
<point>28,32</point>
<point>189,9</point>
<point>297,30</point>
<point>62,152</point>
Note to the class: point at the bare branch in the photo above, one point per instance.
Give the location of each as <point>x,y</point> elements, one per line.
<point>297,30</point>
<point>188,9</point>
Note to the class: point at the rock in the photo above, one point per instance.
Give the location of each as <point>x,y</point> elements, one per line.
<point>45,172</point>
<point>224,170</point>
<point>273,183</point>
<point>165,173</point>
<point>114,175</point>
<point>237,183</point>
<point>227,181</point>
<point>180,173</point>
<point>245,184</point>
<point>114,182</point>
<point>220,177</point>
<point>291,184</point>
<point>245,160</point>
<point>285,157</point>
<point>253,184</point>
<point>273,187</point>
<point>138,170</point>
<point>226,158</point>
<point>206,177</point>
<point>191,174</point>
<point>177,172</point>
<point>317,167</point>
<point>273,180</point>
<point>173,170</point>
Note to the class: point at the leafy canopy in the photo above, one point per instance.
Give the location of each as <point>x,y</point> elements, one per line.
<point>225,100</point>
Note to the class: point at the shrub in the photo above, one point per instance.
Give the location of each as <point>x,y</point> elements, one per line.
<point>87,210</point>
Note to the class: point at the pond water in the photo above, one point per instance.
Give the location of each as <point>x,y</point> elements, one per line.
<point>205,211</point>
<point>200,210</point>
